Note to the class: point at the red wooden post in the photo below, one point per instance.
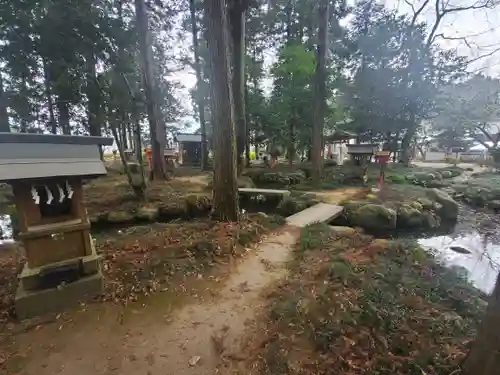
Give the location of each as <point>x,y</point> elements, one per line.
<point>382,158</point>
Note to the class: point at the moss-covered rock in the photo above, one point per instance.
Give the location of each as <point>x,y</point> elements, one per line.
<point>374,217</point>
<point>277,179</point>
<point>449,209</point>
<point>352,206</point>
<point>422,176</point>
<point>447,174</point>
<point>172,210</point>
<point>197,205</point>
<point>432,221</point>
<point>425,203</point>
<point>115,167</point>
<point>409,217</point>
<point>417,205</point>
<point>341,230</point>
<point>147,213</point>
<point>120,217</point>
<point>98,218</point>
<point>291,205</point>
<point>245,182</point>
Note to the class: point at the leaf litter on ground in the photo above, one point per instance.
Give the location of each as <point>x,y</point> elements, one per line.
<point>354,305</point>
<point>138,261</point>
<point>141,260</point>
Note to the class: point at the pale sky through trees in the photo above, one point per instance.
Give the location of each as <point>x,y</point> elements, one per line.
<point>480,30</point>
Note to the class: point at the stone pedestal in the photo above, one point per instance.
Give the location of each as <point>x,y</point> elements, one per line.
<point>55,287</point>
<point>38,302</point>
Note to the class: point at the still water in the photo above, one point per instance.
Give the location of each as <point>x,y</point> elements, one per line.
<point>478,233</point>
<point>482,264</point>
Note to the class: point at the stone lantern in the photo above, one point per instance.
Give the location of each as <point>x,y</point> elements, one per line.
<point>46,172</point>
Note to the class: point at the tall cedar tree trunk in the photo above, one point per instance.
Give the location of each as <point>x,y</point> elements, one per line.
<point>291,119</point>
<point>320,93</point>
<point>158,172</point>
<point>200,97</point>
<point>23,127</point>
<point>411,130</point>
<point>484,357</point>
<point>237,23</point>
<point>50,101</point>
<point>62,106</point>
<point>137,144</point>
<point>138,188</point>
<point>247,130</point>
<point>4,115</point>
<point>129,135</point>
<point>123,131</point>
<point>225,202</point>
<point>94,105</point>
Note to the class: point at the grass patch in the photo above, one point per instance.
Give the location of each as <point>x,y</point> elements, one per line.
<point>313,236</point>
<point>354,305</point>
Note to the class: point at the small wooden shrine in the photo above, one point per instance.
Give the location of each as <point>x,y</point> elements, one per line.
<point>189,148</point>
<point>361,153</point>
<point>46,172</point>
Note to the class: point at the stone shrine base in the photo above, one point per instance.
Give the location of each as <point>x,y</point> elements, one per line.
<point>38,302</point>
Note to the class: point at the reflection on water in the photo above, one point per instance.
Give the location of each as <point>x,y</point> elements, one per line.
<point>482,263</point>
<point>5,228</point>
<point>479,233</point>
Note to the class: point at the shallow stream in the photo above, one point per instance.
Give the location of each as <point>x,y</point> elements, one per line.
<point>473,244</point>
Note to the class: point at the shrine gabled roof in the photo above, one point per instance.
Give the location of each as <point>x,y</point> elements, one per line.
<point>185,137</point>
<point>27,156</point>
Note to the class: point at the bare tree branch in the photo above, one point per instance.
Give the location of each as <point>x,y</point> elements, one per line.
<point>443,37</point>
<point>484,32</point>
<point>488,54</point>
<point>416,12</point>
<point>441,10</point>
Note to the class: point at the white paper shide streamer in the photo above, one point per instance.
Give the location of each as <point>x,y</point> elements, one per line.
<point>61,193</point>
<point>69,190</point>
<point>34,195</point>
<point>50,197</point>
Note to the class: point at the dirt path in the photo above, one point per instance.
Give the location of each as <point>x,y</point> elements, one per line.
<point>201,179</point>
<point>161,337</point>
<point>193,340</point>
<point>336,196</point>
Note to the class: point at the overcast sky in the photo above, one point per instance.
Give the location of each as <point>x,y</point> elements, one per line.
<point>481,28</point>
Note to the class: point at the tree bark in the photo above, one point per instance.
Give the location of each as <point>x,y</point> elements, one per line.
<point>484,357</point>
<point>320,93</point>
<point>94,105</point>
<point>146,50</point>
<point>62,106</point>
<point>50,102</point>
<point>200,97</point>
<point>237,22</point>
<point>225,202</point>
<point>131,139</point>
<point>123,130</point>
<point>247,132</point>
<point>139,189</point>
<point>291,146</point>
<point>4,115</point>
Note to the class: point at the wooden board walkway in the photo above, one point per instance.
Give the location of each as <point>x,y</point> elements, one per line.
<point>321,212</point>
<point>254,191</point>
